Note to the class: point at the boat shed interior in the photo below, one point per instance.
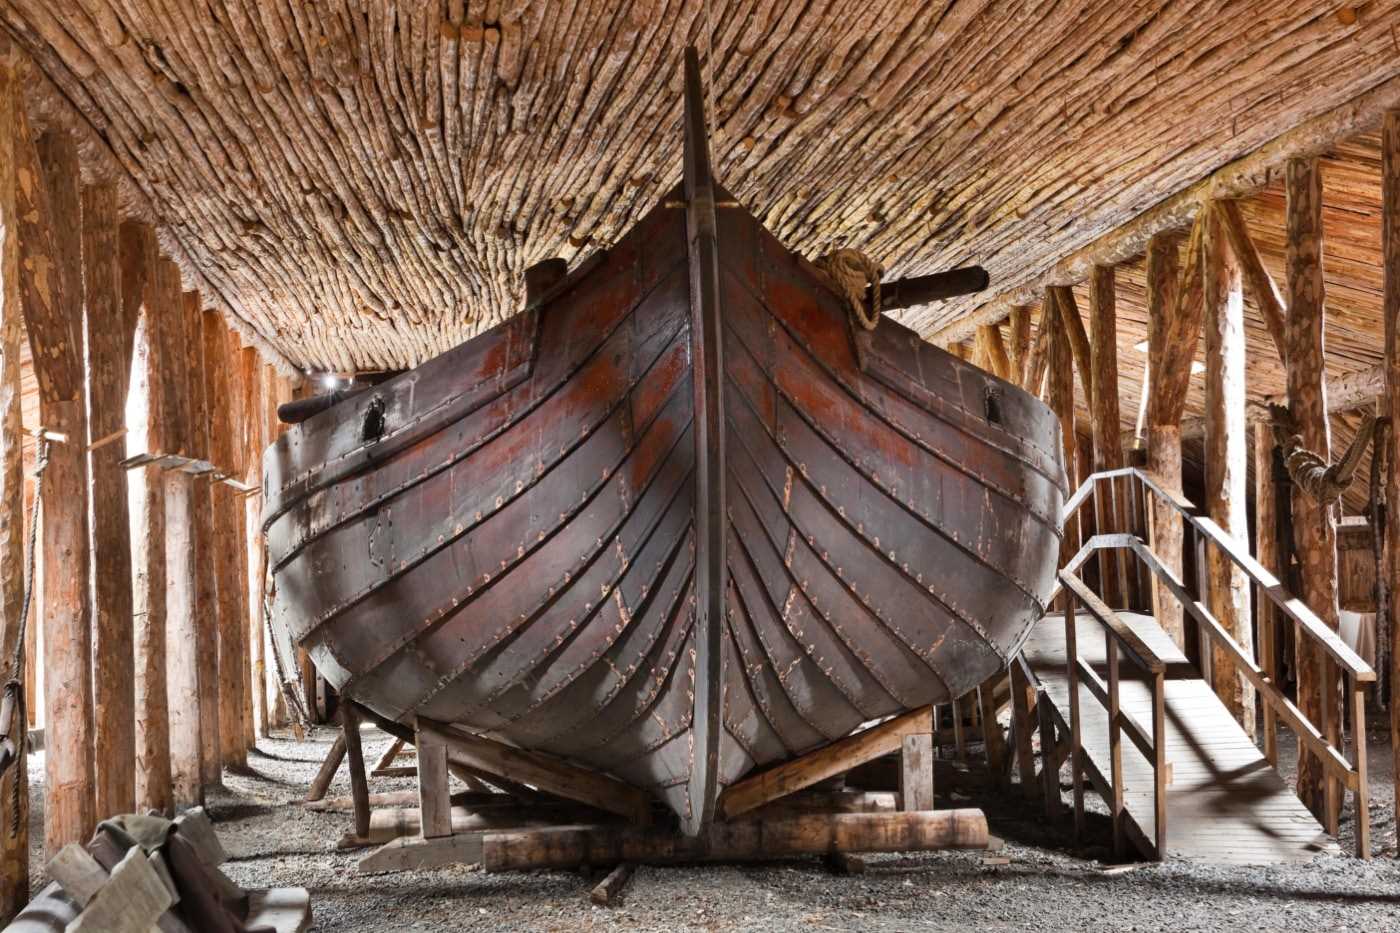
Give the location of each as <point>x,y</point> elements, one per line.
<point>999,392</point>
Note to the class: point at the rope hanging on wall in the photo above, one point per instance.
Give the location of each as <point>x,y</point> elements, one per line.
<point>1324,482</point>
<point>855,274</point>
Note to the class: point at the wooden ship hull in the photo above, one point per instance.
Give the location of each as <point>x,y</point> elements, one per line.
<point>676,521</point>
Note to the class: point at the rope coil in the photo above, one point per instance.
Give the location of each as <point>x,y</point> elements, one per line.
<point>855,274</point>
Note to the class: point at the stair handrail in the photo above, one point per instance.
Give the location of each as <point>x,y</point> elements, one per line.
<point>1351,775</point>
<point>1290,605</point>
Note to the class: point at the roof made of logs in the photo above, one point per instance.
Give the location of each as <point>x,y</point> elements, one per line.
<point>364,183</point>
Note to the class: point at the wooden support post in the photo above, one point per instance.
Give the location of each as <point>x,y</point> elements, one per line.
<point>1261,285</point>
<point>1314,534</point>
<point>114,698</point>
<point>1033,373</point>
<point>14,827</point>
<point>51,279</point>
<point>1111,499</point>
<point>206,596</point>
<point>359,784</point>
<point>147,499</point>
<point>837,758</point>
<point>434,799</point>
<point>1020,343</point>
<point>1049,760</point>
<point>1023,702</point>
<point>183,645</point>
<point>993,741</point>
<point>1390,254</point>
<point>1266,551</point>
<point>994,351</point>
<point>224,507</point>
<point>916,772</point>
<point>329,766</point>
<point>1173,327</point>
<point>1226,461</point>
<point>1060,394</point>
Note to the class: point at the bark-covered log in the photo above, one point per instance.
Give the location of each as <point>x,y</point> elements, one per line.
<point>1390,249</point>
<point>1313,529</point>
<point>114,698</point>
<point>1163,432</point>
<point>50,228</point>
<point>1226,460</point>
<point>146,491</point>
<point>14,827</point>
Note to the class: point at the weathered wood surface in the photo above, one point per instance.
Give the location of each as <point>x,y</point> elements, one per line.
<point>146,491</point>
<point>1170,367</point>
<point>14,826</point>
<point>595,390</point>
<point>1313,531</point>
<point>50,228</point>
<point>1110,501</point>
<point>490,117</point>
<point>109,362</point>
<point>1225,804</point>
<point>1390,236</point>
<point>1226,460</point>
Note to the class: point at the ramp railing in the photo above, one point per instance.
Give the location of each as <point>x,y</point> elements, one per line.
<point>1322,740</point>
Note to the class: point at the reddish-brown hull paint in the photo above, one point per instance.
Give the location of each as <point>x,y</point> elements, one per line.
<point>516,552</point>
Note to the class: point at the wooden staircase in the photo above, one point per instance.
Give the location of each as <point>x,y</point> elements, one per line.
<point>1188,781</point>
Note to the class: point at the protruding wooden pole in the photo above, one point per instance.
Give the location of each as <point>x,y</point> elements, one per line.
<point>183,645</point>
<point>1226,460</point>
<point>206,595</point>
<point>14,835</point>
<point>51,260</point>
<point>1111,499</point>
<point>114,698</point>
<point>1390,252</point>
<point>1172,330</point>
<point>1314,534</point>
<point>146,488</point>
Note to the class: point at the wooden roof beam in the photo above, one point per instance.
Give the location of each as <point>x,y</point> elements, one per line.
<point>1238,179</point>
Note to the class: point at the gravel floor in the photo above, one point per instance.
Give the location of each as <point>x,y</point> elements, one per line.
<point>1047,886</point>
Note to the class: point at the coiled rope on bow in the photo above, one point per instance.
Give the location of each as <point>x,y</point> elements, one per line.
<point>13,695</point>
<point>855,274</point>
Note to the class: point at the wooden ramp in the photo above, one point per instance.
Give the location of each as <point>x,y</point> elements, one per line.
<point>1225,802</point>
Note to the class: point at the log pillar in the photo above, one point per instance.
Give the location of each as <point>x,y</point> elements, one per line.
<point>1266,551</point>
<point>1173,323</point>
<point>1314,534</point>
<point>1060,392</point>
<point>14,833</point>
<point>146,491</point>
<point>232,620</point>
<point>1226,461</point>
<point>1111,499</point>
<point>114,698</point>
<point>1390,255</point>
<point>206,596</point>
<point>50,228</point>
<point>182,664</point>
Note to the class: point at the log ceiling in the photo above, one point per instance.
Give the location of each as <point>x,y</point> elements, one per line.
<point>365,182</point>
